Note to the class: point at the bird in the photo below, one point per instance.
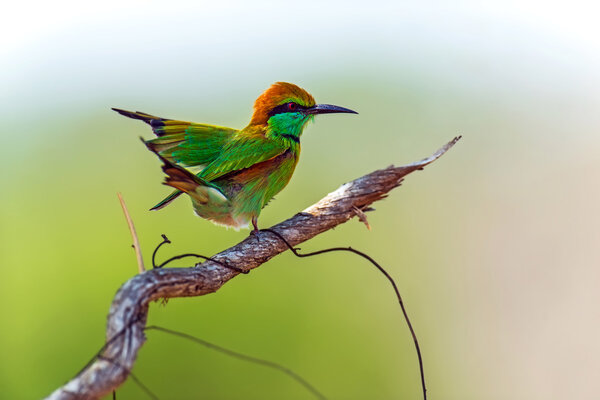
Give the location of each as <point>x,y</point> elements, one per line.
<point>229,174</point>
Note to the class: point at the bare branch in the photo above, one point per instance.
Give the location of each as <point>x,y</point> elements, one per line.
<point>128,312</point>
<point>134,237</point>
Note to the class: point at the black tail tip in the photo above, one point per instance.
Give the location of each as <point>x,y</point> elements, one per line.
<point>134,114</point>
<point>126,113</point>
<point>120,111</point>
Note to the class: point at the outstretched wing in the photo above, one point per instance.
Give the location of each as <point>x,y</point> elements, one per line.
<point>184,143</point>
<point>189,144</point>
<point>241,152</point>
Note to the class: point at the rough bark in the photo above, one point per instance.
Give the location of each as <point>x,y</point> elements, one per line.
<point>129,309</point>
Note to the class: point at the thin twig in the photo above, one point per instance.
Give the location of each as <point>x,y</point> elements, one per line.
<point>165,240</point>
<point>362,217</point>
<point>133,377</point>
<point>385,273</point>
<point>244,357</point>
<point>231,353</point>
<point>136,242</point>
<point>180,256</point>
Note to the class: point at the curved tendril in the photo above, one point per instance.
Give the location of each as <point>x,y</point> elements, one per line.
<point>385,273</point>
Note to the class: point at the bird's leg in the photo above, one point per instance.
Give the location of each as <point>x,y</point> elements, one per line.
<point>255,232</point>
<point>255,225</point>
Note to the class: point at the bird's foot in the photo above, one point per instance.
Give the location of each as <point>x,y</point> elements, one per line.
<point>255,232</point>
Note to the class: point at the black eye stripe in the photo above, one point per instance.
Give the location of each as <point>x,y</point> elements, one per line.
<point>284,108</point>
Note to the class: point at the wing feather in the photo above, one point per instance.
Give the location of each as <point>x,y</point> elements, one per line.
<point>189,144</point>
<point>242,152</point>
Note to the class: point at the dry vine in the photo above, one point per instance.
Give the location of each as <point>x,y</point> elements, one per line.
<point>128,312</point>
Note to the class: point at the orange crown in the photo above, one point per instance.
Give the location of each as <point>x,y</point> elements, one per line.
<point>279,93</point>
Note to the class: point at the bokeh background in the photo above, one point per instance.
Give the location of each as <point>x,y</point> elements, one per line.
<point>494,246</point>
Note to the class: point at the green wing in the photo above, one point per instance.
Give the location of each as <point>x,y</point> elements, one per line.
<point>241,152</point>
<point>189,144</point>
<point>184,143</point>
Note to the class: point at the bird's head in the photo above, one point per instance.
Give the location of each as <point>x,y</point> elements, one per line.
<point>285,108</point>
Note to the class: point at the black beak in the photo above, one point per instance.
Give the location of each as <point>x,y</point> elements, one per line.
<point>328,109</point>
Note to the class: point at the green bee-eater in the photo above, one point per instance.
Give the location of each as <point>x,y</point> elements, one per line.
<point>239,170</point>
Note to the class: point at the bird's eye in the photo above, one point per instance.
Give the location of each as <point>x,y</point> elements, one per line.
<point>292,106</point>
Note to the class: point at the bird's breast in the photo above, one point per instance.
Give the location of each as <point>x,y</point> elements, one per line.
<point>251,188</point>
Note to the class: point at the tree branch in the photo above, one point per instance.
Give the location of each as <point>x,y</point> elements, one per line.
<point>128,312</point>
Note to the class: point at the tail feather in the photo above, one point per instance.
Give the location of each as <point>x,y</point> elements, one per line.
<point>184,181</point>
<point>180,178</point>
<point>167,200</point>
<point>157,123</point>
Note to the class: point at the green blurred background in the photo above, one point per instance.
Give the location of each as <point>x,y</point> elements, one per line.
<point>494,246</point>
